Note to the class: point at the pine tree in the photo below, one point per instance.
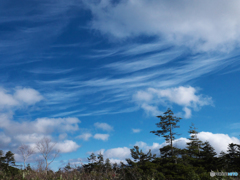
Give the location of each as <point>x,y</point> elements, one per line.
<point>208,156</point>
<point>167,123</point>
<point>140,157</point>
<point>233,156</point>
<point>194,146</point>
<point>92,158</point>
<point>2,160</point>
<point>28,167</point>
<point>165,151</point>
<point>207,150</point>
<point>92,163</point>
<point>9,158</point>
<point>1,157</point>
<point>7,162</point>
<point>100,159</point>
<point>222,161</point>
<point>67,167</point>
<point>108,164</point>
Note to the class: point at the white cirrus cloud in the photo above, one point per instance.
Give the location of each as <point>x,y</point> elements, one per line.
<point>151,109</point>
<point>103,137</point>
<point>143,96</point>
<point>136,130</point>
<point>203,25</point>
<point>234,126</point>
<point>85,136</point>
<point>186,97</point>
<point>103,126</point>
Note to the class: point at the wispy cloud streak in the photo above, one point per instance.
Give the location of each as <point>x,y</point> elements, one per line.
<point>161,69</point>
<point>109,73</point>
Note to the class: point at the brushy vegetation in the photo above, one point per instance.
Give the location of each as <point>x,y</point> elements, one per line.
<point>195,162</point>
<point>155,170</point>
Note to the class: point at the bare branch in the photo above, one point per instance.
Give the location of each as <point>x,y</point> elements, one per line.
<point>26,152</point>
<point>46,147</point>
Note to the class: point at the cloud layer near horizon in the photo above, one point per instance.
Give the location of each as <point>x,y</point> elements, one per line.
<point>218,141</point>
<point>15,132</point>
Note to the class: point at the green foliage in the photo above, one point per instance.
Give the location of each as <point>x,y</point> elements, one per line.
<point>192,176</point>
<point>222,161</point>
<point>108,164</point>
<point>233,157</point>
<point>139,156</point>
<point>6,163</point>
<point>100,159</point>
<point>205,176</point>
<point>209,161</point>
<point>194,146</point>
<point>167,123</point>
<point>67,167</point>
<point>92,158</point>
<point>28,168</point>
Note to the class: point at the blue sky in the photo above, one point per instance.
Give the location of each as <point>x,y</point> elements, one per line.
<point>92,75</point>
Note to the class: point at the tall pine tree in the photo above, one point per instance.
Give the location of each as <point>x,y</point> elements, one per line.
<point>168,122</point>
<point>233,157</point>
<point>194,146</point>
<point>208,154</point>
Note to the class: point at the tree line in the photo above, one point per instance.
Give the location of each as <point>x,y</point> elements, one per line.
<point>194,162</point>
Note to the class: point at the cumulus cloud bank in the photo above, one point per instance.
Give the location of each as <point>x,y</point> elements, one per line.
<point>30,132</point>
<point>15,132</point>
<point>182,96</point>
<point>218,141</point>
<point>203,25</point>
